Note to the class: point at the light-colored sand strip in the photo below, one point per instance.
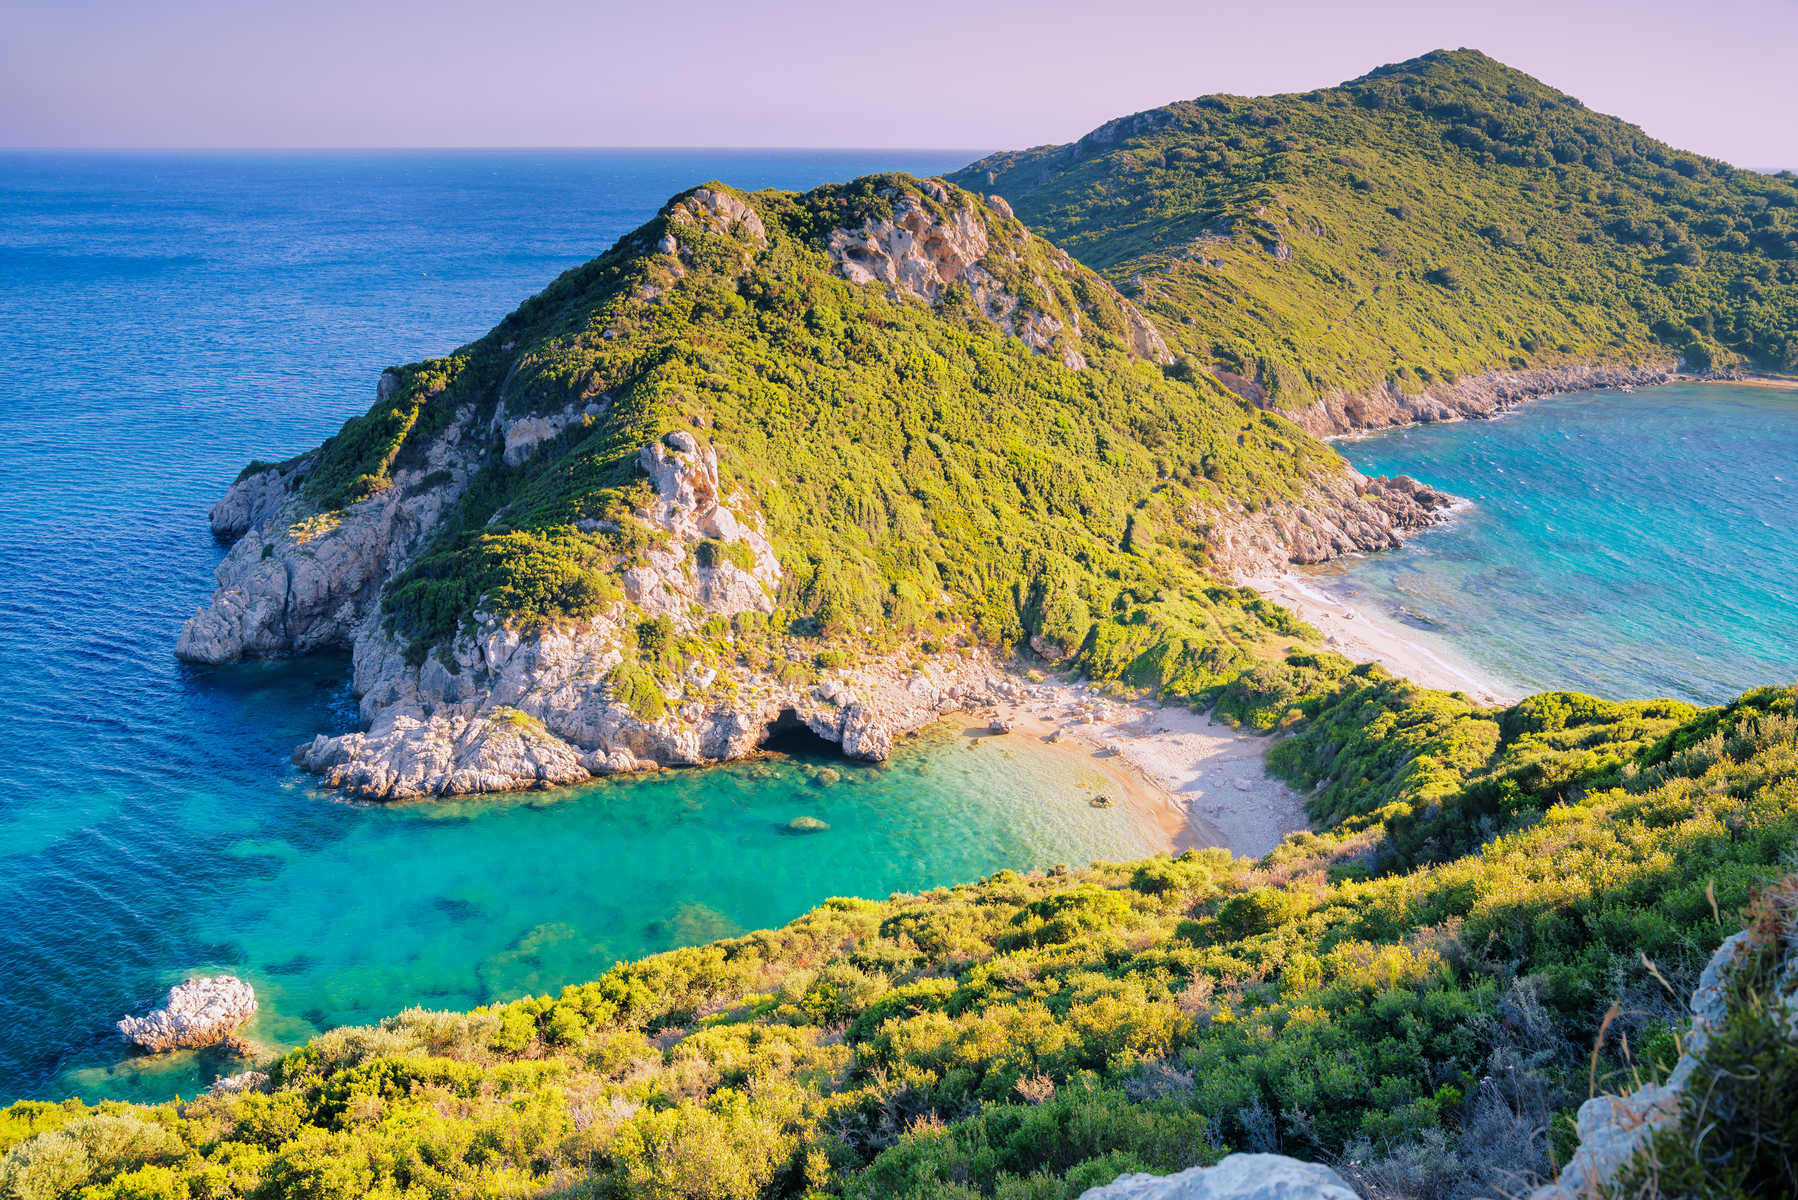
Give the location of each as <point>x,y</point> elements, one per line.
<point>1200,782</point>
<point>1367,635</point>
<point>1788,383</point>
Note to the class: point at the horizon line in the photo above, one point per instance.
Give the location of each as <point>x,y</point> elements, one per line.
<point>311,149</point>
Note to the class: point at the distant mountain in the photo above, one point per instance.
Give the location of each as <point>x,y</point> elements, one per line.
<point>1426,223</point>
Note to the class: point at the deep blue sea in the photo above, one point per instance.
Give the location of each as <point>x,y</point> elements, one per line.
<point>1625,544</point>
<point>164,320</point>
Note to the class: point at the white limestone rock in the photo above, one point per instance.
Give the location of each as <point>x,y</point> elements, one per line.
<point>242,1082</point>
<point>1238,1177</point>
<point>1613,1129</point>
<point>197,1013</point>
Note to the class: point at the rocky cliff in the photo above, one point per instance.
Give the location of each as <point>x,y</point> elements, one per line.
<point>1345,514</point>
<point>500,708</point>
<point>1475,397</point>
<point>574,548</point>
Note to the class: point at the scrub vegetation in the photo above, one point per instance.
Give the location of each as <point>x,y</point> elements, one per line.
<point>1412,992</point>
<point>1496,912</point>
<point>1433,219</point>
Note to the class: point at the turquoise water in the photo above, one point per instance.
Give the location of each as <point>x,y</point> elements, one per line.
<point>166,319</point>
<point>1629,545</point>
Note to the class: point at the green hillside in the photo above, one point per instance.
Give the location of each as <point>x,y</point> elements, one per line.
<point>1412,992</point>
<point>1497,912</point>
<point>926,476</point>
<point>1429,220</point>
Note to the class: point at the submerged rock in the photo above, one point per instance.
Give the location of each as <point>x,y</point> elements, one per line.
<point>806,825</point>
<point>199,1012</point>
<point>243,1081</point>
<point>1238,1177</point>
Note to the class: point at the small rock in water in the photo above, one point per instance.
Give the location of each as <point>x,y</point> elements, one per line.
<point>829,775</point>
<point>999,725</point>
<point>806,825</point>
<point>197,1013</point>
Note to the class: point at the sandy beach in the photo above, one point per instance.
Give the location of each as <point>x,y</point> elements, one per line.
<point>1367,635</point>
<point>1787,383</point>
<point>1198,781</point>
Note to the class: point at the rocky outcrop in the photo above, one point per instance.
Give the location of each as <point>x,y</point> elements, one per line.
<point>1614,1129</point>
<point>241,1083</point>
<point>1475,397</point>
<point>1346,514</point>
<point>197,1013</point>
<point>296,581</point>
<point>921,253</point>
<point>717,210</point>
<point>499,709</point>
<point>521,712</point>
<point>1238,1177</point>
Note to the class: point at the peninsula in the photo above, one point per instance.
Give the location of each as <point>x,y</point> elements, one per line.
<point>845,460</point>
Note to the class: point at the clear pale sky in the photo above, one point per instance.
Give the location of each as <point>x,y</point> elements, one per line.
<point>1719,77</point>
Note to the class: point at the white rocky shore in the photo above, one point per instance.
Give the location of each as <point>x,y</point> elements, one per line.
<point>199,1012</point>
<point>500,709</point>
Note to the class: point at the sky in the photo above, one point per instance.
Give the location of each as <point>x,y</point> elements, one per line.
<point>1717,77</point>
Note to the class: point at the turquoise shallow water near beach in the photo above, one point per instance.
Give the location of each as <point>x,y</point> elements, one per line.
<point>1625,544</point>
<point>169,317</point>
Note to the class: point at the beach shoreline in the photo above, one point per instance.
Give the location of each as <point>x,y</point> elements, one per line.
<point>1197,782</point>
<point>1361,632</point>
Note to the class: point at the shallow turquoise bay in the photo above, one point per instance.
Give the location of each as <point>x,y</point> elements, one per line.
<point>170,317</point>
<point>1626,544</point>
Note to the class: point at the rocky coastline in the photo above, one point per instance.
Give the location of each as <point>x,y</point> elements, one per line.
<point>501,709</point>
<point>1473,398</point>
<point>497,707</point>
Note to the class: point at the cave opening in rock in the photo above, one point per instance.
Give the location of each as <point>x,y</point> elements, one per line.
<point>788,735</point>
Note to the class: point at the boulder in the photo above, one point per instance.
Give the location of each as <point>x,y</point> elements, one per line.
<point>1238,1177</point>
<point>197,1013</point>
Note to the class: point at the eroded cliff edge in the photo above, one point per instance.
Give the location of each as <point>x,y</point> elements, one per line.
<point>410,538</point>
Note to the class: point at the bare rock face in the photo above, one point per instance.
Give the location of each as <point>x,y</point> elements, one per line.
<point>294,581</point>
<point>921,254</point>
<point>542,711</point>
<point>913,250</point>
<point>1347,514</point>
<point>1238,1177</point>
<point>1612,1129</point>
<point>717,210</point>
<point>1473,398</point>
<point>197,1013</point>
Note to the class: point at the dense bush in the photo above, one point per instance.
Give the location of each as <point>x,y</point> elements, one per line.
<point>1430,220</point>
<point>923,475</point>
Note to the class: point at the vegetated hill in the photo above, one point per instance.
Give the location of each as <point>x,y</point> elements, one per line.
<point>855,437</point>
<point>1413,993</point>
<point>1429,221</point>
